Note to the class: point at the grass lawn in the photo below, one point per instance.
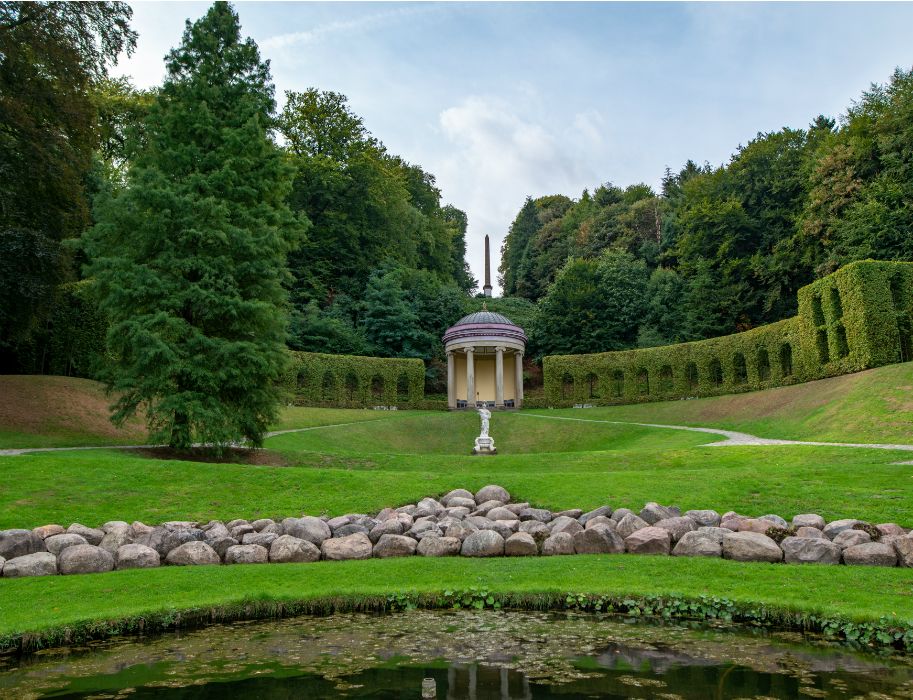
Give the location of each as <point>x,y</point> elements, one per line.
<point>362,461</point>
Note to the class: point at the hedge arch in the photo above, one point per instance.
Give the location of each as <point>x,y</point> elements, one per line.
<point>860,316</point>
<point>352,381</point>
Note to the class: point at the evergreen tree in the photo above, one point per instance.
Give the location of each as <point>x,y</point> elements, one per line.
<point>189,258</point>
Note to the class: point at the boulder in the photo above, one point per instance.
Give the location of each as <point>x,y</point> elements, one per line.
<point>501,513</point>
<point>485,506</point>
<point>535,529</point>
<point>809,520</point>
<point>136,556</point>
<point>806,531</point>
<point>262,538</point>
<point>45,531</point>
<point>517,508</point>
<point>649,540</point>
<point>385,527</point>
<point>246,554</point>
<point>428,506</point>
<point>653,512</point>
<point>115,538</point>
<point>601,511</point>
<point>483,543</point>
<point>540,514</point>
<point>85,559</point>
<point>521,544</point>
<point>458,513</point>
<point>565,523</point>
<point>112,525</point>
<point>386,514</point>
<point>755,525</point>
<point>350,529</point>
<point>237,521</point>
<point>258,525</point>
<point>165,538</point>
<point>732,522</point>
<point>193,553</point>
<point>340,520</point>
<point>17,543</point>
<point>421,527</point>
<point>357,546</point>
<point>57,543</point>
<point>716,532</point>
<point>439,547</point>
<point>601,520</point>
<point>891,529</point>
<point>558,543</point>
<point>810,550</point>
<point>599,539</point>
<point>457,493</point>
<point>286,549</point>
<point>776,520</point>
<point>140,528</point>
<point>492,493</point>
<point>704,518</point>
<point>216,530</point>
<point>238,531</point>
<point>570,513</point>
<point>460,531</point>
<point>831,530</point>
<point>505,528</point>
<point>699,544</point>
<point>677,527</point>
<point>395,546</point>
<point>458,502</point>
<point>309,528</point>
<point>870,554</point>
<point>850,538</point>
<point>36,564</point>
<point>751,546</point>
<point>221,544</point>
<point>91,534</point>
<point>630,524</point>
<point>620,513</point>
<point>903,547</point>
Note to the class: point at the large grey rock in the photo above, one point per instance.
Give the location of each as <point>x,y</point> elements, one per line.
<point>620,513</point>
<point>831,530</point>
<point>870,554</point>
<point>492,493</point>
<point>456,493</point>
<point>716,532</point>
<point>91,534</point>
<point>258,525</point>
<point>808,531</point>
<point>340,520</point>
<point>653,512</point>
<point>395,546</point>
<point>485,506</point>
<point>775,520</point>
<point>57,543</point>
<point>357,546</point>
<point>677,526</point>
<point>751,546</point>
<point>246,554</point>
<point>439,547</point>
<point>809,520</point>
<point>238,531</point>
<point>85,559</point>
<point>850,538</point>
<point>428,506</point>
<point>599,539</point>
<point>18,543</point>
<point>565,523</point>
<point>521,544</point>
<point>501,513</point>
<point>112,525</point>
<point>891,530</point>
<point>483,543</point>
<point>539,514</point>
<point>216,530</point>
<point>699,544</point>
<point>165,538</point>
<point>458,502</point>
<point>630,524</point>
<point>385,527</point>
<point>36,564</point>
<point>308,528</point>
<point>810,550</point>
<point>286,549</point>
<point>570,513</point>
<point>505,528</point>
<point>704,518</point>
<point>422,526</point>
<point>604,511</point>
<point>649,540</point>
<point>115,538</point>
<point>558,543</point>
<point>193,553</point>
<point>220,545</point>
<point>136,556</point>
<point>601,520</point>
<point>755,525</point>
<point>350,529</point>
<point>460,531</point>
<point>517,508</point>
<point>537,530</point>
<point>903,546</point>
<point>45,531</point>
<point>262,538</point>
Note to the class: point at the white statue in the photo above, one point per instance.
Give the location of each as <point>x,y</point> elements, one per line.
<point>485,414</point>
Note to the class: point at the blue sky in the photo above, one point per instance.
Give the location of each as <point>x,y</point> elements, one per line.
<point>504,100</point>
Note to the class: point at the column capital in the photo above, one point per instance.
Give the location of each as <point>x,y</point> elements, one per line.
<point>500,348</point>
<point>468,350</point>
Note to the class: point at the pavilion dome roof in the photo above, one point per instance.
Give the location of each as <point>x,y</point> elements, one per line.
<point>485,326</point>
<point>484,317</point>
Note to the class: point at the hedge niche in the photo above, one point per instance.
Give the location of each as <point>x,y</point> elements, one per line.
<point>860,316</point>
<point>352,381</point>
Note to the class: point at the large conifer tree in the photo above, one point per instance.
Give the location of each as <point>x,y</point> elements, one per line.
<point>189,258</point>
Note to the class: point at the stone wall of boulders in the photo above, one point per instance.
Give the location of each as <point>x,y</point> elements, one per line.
<point>484,524</point>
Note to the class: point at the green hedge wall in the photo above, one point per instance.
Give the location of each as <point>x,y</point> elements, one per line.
<point>858,317</point>
<point>352,381</point>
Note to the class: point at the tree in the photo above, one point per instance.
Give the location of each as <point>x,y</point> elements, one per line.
<point>189,258</point>
<point>51,54</point>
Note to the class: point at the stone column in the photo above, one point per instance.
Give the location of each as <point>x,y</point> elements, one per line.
<point>470,379</point>
<point>451,380</point>
<point>518,366</point>
<point>499,377</point>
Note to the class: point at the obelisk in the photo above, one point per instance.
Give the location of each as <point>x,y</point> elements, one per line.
<point>486,289</point>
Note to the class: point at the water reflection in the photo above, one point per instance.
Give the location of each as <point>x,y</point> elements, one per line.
<point>470,655</point>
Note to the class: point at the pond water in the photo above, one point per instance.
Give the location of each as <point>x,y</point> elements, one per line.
<point>475,655</point>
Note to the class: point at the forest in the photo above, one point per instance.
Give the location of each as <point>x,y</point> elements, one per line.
<point>718,250</point>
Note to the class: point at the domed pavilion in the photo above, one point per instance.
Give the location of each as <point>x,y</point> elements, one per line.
<point>485,359</point>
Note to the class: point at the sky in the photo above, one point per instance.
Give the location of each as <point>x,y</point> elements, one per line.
<point>500,101</point>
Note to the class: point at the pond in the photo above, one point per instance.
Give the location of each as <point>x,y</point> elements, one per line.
<point>469,654</point>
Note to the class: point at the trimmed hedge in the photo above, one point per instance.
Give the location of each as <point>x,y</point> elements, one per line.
<point>860,316</point>
<point>352,381</point>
